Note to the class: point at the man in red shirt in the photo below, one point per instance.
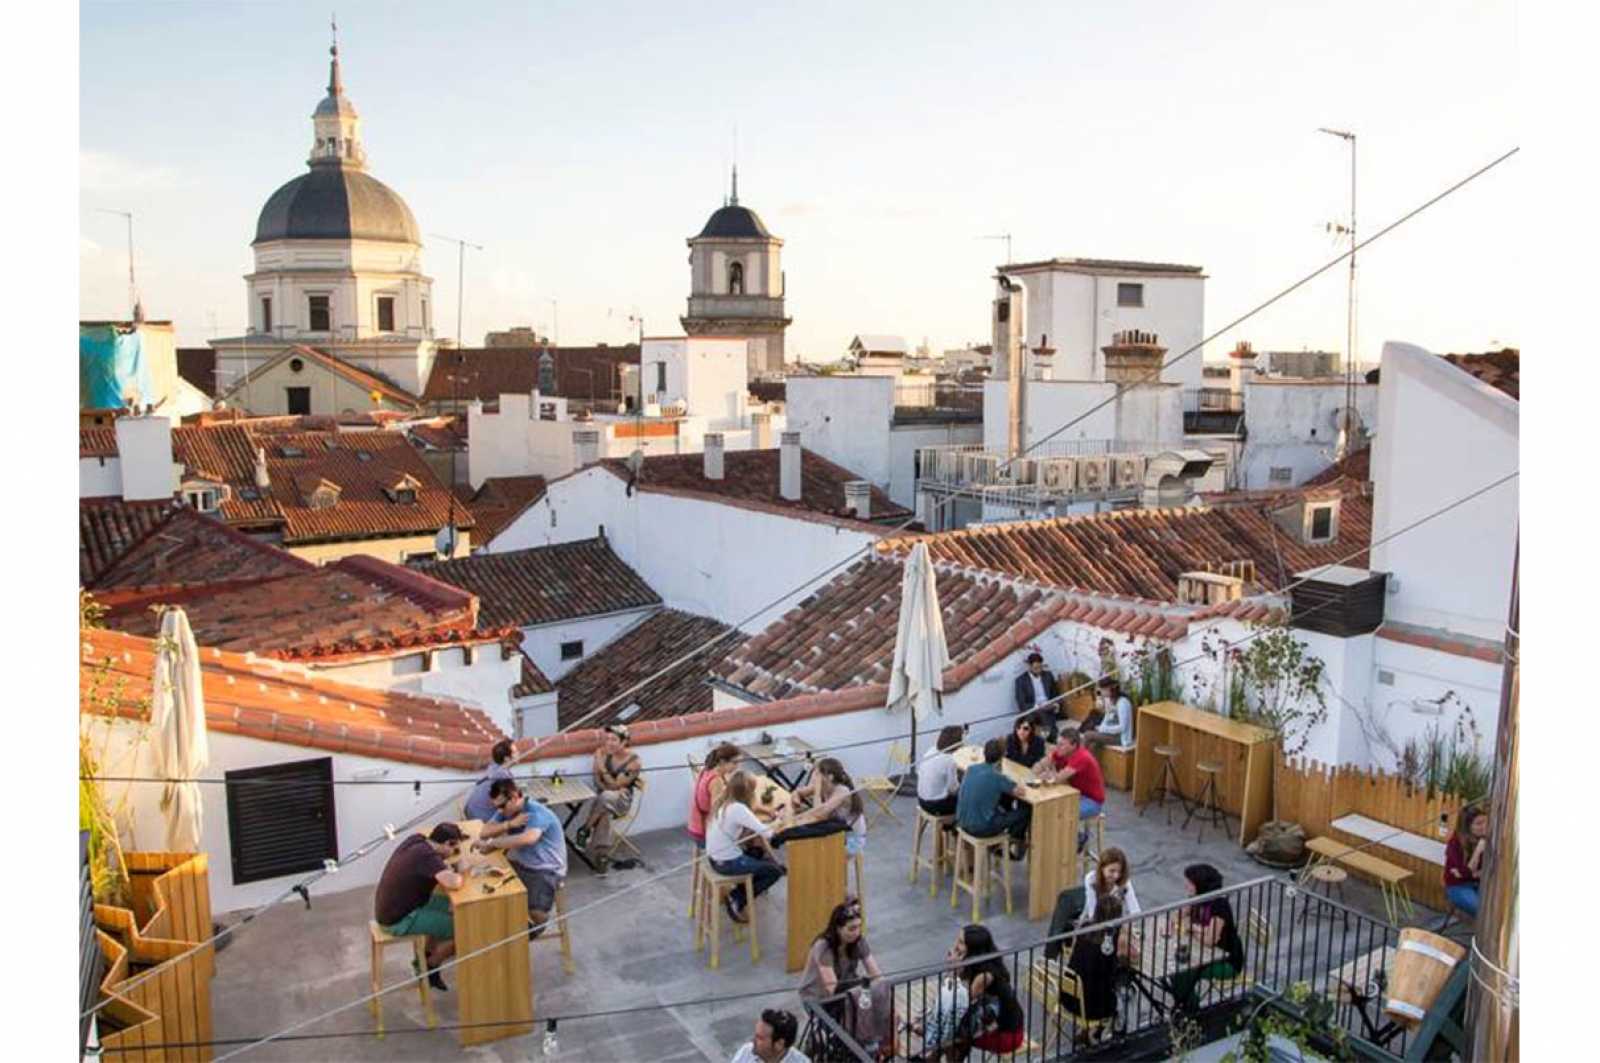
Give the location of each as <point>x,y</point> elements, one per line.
<point>1071,762</point>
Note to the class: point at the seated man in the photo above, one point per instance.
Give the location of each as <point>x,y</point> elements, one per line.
<point>1033,689</point>
<point>406,902</point>
<point>616,772</point>
<point>1113,725</point>
<point>978,809</point>
<point>1071,762</point>
<point>774,1039</point>
<point>530,835</point>
<point>478,806</point>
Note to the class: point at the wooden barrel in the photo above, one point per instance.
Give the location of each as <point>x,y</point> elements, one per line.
<point>1422,965</point>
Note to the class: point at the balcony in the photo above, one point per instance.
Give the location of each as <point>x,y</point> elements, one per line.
<point>1212,411</point>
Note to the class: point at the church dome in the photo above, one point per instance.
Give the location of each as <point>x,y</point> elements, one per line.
<point>733,221</point>
<point>338,203</point>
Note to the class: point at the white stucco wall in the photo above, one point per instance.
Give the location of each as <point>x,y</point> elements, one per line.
<point>904,440</point>
<point>1293,425</point>
<point>99,477</point>
<point>710,374</point>
<point>1146,414</point>
<point>847,420</point>
<point>543,643</point>
<point>1080,315</point>
<point>485,684</point>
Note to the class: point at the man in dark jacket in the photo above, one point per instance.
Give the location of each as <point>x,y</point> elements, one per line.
<point>1035,686</point>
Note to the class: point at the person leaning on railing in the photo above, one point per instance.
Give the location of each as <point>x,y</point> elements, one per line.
<point>994,1021</point>
<point>841,961</point>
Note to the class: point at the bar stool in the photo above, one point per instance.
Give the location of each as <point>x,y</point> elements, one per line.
<point>382,940</point>
<point>694,882</point>
<point>563,932</point>
<point>1328,876</point>
<point>714,887</point>
<point>860,862</point>
<point>1205,803</point>
<point>981,870</point>
<point>942,849</point>
<point>1168,754</point>
<point>1096,824</point>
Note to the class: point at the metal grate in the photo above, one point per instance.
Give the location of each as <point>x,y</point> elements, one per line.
<point>283,825</point>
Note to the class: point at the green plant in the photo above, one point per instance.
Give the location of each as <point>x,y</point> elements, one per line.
<point>1281,687</point>
<point>1442,763</point>
<point>90,612</point>
<point>1309,1023</point>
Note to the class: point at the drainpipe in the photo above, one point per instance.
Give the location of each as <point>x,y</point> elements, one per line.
<point>1493,1011</point>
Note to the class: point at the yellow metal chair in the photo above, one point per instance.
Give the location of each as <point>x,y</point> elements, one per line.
<point>622,824</point>
<point>882,788</point>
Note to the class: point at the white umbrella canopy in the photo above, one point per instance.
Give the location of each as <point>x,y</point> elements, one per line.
<point>178,727</point>
<point>920,654</point>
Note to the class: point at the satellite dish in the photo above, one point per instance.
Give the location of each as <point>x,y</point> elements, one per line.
<point>636,461</point>
<point>445,542</point>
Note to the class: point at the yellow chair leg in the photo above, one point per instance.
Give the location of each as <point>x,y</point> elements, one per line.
<point>423,988</point>
<point>980,881</point>
<point>377,986</point>
<point>751,914</point>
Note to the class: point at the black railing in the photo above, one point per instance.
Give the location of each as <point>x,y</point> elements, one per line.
<point>89,960</point>
<point>1212,410</point>
<point>1293,942</point>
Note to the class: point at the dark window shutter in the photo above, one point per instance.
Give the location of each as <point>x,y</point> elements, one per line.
<point>281,819</point>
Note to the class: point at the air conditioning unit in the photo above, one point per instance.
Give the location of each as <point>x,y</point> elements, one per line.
<point>949,465</point>
<point>1094,474</point>
<point>982,468</point>
<point>1127,470</point>
<point>1058,474</point>
<point>1023,470</point>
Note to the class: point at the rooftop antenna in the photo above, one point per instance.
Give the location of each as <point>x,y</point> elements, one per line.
<point>1347,422</point>
<point>135,311</point>
<point>461,272</point>
<point>1001,236</point>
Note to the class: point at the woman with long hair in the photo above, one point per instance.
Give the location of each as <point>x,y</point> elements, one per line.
<point>732,824</point>
<point>1111,877</point>
<point>1025,745</point>
<point>1463,858</point>
<point>832,794</point>
<point>708,786</point>
<point>1096,965</point>
<point>994,1021</point>
<point>1210,922</point>
<point>841,960</point>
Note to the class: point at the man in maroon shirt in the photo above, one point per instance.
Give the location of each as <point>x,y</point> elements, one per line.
<point>406,903</point>
<point>1071,762</point>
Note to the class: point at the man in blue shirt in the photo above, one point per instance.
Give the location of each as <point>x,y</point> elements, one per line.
<point>479,806</point>
<point>979,803</point>
<point>530,835</point>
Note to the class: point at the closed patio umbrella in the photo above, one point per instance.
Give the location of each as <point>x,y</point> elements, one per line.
<point>916,679</point>
<point>178,728</point>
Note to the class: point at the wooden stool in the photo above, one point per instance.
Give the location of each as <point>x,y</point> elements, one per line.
<point>981,870</point>
<point>381,940</point>
<point>860,862</point>
<point>1167,754</point>
<point>1096,824</point>
<point>1205,803</point>
<point>1328,876</point>
<point>942,851</point>
<point>563,932</point>
<point>694,881</point>
<point>714,887</point>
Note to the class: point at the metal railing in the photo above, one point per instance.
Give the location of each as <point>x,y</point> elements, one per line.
<point>1290,937</point>
<point>1212,400</point>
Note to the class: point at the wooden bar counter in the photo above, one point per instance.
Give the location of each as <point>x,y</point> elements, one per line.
<point>498,984</point>
<point>816,885</point>
<point>1052,831</point>
<point>1244,786</point>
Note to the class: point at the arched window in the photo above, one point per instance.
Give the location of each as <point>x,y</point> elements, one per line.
<point>547,374</point>
<point>736,278</point>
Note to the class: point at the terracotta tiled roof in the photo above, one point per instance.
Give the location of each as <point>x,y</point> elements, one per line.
<point>198,365</point>
<point>440,433</point>
<point>356,607</point>
<point>546,584</point>
<point>1141,552</point>
<point>500,501</point>
<point>130,550</point>
<point>751,476</point>
<point>1498,369</point>
<point>533,680</point>
<point>283,703</point>
<point>633,659</point>
<point>487,372</point>
<point>357,377</point>
<point>1356,467</point>
<point>97,442</point>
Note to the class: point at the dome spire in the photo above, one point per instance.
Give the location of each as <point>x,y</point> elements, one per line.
<point>335,82</point>
<point>337,127</point>
<point>733,200</point>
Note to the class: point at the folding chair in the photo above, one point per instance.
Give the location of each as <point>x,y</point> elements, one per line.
<point>882,788</point>
<point>624,823</point>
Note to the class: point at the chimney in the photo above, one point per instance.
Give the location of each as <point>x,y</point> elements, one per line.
<point>1009,309</point>
<point>761,431</point>
<point>1134,357</point>
<point>713,451</point>
<point>789,467</point>
<point>1241,367</point>
<point>585,446</point>
<point>263,481</point>
<point>144,445</point>
<point>858,498</point>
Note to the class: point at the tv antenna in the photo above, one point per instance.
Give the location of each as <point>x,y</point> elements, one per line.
<point>136,312</point>
<point>1001,236</point>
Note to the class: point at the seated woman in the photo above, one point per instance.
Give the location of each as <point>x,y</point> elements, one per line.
<point>994,1021</point>
<point>616,774</point>
<point>830,793</point>
<point>731,825</point>
<point>708,786</point>
<point>1211,923</point>
<point>938,780</point>
<point>1096,966</point>
<point>841,960</point>
<point>1110,878</point>
<point>1463,858</point>
<point>1024,745</point>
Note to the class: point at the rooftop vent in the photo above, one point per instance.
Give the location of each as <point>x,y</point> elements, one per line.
<point>1209,588</point>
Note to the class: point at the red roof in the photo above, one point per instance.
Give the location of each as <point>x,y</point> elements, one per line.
<point>546,584</point>
<point>485,373</point>
<point>283,703</point>
<point>533,680</point>
<point>1499,369</point>
<point>366,380</point>
<point>500,501</point>
<point>631,660</point>
<point>130,550</point>
<point>751,476</point>
<point>1356,467</point>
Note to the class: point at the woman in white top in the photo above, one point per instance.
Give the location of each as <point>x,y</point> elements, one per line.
<point>832,794</point>
<point>938,781</point>
<point>730,826</point>
<point>1111,878</point>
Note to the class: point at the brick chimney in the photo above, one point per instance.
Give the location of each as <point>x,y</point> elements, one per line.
<point>761,431</point>
<point>858,498</point>
<point>585,446</point>
<point>1133,357</point>
<point>1241,367</point>
<point>713,452</point>
<point>144,447</point>
<point>789,467</point>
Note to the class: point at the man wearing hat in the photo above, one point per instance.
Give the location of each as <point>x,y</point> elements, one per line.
<point>616,775</point>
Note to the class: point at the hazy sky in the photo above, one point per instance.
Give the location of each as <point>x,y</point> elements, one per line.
<point>582,143</point>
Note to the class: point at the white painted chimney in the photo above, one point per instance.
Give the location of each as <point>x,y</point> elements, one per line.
<point>858,498</point>
<point>263,481</point>
<point>789,467</point>
<point>713,451</point>
<point>144,447</point>
<point>585,446</point>
<point>761,431</point>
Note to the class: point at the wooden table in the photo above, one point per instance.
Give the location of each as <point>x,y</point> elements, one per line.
<point>1052,832</point>
<point>778,754</point>
<point>1391,878</point>
<point>773,801</point>
<point>1156,955</point>
<point>571,792</point>
<point>1244,786</point>
<point>499,983</point>
<point>816,886</point>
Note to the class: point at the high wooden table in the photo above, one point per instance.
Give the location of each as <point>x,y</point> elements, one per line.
<point>1052,832</point>
<point>498,985</point>
<point>816,886</point>
<point>1244,786</point>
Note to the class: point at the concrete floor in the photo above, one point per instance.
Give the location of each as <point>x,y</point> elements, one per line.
<point>637,949</point>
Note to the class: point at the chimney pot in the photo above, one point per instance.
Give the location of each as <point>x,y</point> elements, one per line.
<point>713,455</point>
<point>858,498</point>
<point>789,467</point>
<point>760,431</point>
<point>585,447</point>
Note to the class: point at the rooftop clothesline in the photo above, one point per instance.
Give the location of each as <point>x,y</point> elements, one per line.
<point>1154,376</point>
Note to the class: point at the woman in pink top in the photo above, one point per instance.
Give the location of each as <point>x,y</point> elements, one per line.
<point>713,777</point>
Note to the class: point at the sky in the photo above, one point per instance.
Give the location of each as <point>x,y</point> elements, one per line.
<point>582,144</point>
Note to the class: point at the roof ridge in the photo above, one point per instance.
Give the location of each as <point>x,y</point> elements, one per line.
<point>417,587</point>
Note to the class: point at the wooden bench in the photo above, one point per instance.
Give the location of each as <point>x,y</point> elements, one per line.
<point>1391,878</point>
<point>1116,764</point>
<point>1401,841</point>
